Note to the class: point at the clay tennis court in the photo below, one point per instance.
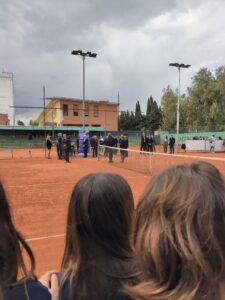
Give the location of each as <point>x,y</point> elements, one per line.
<point>39,190</point>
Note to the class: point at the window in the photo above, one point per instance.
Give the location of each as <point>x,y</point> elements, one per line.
<point>86,110</point>
<point>96,111</point>
<point>75,110</point>
<point>65,110</point>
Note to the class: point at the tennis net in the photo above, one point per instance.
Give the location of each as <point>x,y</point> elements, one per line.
<point>152,162</point>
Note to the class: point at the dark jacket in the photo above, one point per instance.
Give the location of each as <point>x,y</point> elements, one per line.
<point>111,141</point>
<point>116,296</point>
<point>35,290</point>
<point>67,144</point>
<point>143,141</point>
<point>85,143</point>
<point>171,141</point>
<point>124,143</point>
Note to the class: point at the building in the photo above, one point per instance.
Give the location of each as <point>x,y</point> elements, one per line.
<point>4,119</point>
<point>7,96</point>
<point>69,112</point>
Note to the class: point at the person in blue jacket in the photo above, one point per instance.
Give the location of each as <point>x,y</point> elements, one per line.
<point>16,281</point>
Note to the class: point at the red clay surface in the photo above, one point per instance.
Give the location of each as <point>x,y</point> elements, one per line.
<point>39,191</point>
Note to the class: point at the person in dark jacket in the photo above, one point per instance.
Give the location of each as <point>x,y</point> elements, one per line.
<point>110,143</point>
<point>94,145</point>
<point>67,148</point>
<point>16,281</point>
<point>171,144</point>
<point>49,145</point>
<point>85,145</point>
<point>143,142</point>
<point>60,146</point>
<point>123,142</point>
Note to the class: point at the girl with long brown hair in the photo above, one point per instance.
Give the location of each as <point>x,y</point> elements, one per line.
<point>17,282</point>
<point>180,235</point>
<point>98,257</point>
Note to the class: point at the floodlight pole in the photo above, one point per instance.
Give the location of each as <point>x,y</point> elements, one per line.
<point>83,57</point>
<point>83,54</point>
<point>178,66</point>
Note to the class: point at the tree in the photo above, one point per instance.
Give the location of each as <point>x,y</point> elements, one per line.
<point>21,123</point>
<point>138,116</point>
<point>153,118</point>
<point>33,123</point>
<point>203,101</point>
<point>169,108</point>
<point>149,105</point>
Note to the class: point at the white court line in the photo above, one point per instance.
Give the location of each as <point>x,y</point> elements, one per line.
<point>45,237</point>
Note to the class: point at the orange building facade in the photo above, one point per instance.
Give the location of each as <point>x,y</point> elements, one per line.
<point>69,112</point>
<point>4,119</point>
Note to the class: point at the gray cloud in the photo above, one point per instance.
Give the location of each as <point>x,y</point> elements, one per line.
<point>135,41</point>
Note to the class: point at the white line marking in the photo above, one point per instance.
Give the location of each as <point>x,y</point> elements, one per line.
<point>45,237</point>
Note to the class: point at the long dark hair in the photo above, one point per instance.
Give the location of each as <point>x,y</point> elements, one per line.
<point>98,255</point>
<point>179,234</point>
<point>11,244</point>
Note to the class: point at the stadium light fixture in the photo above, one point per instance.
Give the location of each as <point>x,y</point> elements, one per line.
<point>84,55</point>
<point>179,66</point>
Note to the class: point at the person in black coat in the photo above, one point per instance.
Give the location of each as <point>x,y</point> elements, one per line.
<point>171,144</point>
<point>60,146</point>
<point>110,143</point>
<point>143,142</point>
<point>123,142</point>
<point>49,145</point>
<point>67,148</point>
<point>85,145</point>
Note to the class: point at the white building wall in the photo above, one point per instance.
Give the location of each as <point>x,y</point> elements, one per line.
<point>7,96</point>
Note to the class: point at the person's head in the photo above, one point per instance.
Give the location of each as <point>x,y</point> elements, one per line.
<point>179,234</point>
<point>59,134</point>
<point>100,216</point>
<point>99,226</point>
<point>12,264</point>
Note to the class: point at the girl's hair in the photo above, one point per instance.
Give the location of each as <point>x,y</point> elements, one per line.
<point>12,265</point>
<point>98,248</point>
<point>179,234</point>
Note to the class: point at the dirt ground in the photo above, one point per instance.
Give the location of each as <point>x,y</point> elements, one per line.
<point>39,191</point>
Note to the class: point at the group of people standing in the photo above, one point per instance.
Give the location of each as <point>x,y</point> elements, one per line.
<point>170,247</point>
<point>147,143</point>
<point>170,143</point>
<point>63,146</point>
<point>66,148</point>
<point>111,146</point>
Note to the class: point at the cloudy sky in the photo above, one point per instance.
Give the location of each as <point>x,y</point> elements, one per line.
<point>135,41</point>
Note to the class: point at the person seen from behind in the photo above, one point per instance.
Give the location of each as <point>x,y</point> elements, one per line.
<point>98,257</point>
<point>17,282</point>
<point>179,235</point>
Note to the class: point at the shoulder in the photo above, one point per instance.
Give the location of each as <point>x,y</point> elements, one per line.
<point>34,289</point>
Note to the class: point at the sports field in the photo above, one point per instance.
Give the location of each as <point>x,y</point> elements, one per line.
<point>39,190</point>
